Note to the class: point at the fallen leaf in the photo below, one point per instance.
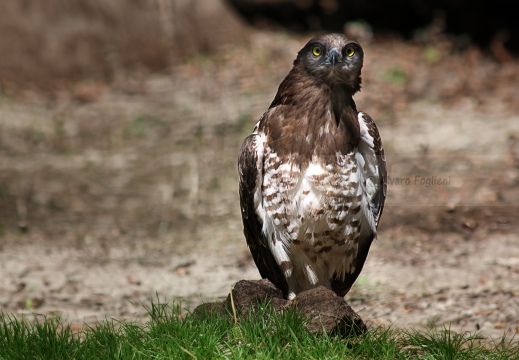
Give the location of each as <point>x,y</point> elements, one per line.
<point>133,280</point>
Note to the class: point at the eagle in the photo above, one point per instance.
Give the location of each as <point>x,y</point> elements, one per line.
<point>312,175</point>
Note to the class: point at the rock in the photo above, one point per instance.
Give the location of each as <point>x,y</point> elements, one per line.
<point>248,294</point>
<point>216,307</point>
<point>326,312</point>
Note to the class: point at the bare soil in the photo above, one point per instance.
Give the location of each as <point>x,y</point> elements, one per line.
<point>129,192</point>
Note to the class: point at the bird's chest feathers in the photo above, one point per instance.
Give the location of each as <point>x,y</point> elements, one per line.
<point>310,176</point>
<point>303,201</point>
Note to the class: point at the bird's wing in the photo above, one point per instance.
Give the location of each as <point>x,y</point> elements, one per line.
<point>250,168</point>
<point>373,164</point>
<point>376,173</point>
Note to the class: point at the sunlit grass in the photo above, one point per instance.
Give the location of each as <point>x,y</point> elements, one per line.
<point>263,334</point>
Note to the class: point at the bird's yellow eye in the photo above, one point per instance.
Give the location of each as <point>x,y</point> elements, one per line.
<point>317,51</point>
<point>349,51</point>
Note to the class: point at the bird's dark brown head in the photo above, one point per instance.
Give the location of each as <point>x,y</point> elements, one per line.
<point>333,59</point>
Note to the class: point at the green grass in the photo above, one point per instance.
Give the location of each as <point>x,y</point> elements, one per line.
<point>261,335</point>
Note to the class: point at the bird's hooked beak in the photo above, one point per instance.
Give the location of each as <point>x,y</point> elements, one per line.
<point>333,56</point>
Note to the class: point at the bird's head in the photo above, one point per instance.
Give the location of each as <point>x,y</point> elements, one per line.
<point>333,59</point>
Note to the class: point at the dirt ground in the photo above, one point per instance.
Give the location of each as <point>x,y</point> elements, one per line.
<point>113,195</point>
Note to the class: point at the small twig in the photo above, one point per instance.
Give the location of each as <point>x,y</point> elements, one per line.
<point>233,309</point>
<point>179,308</point>
<point>411,347</point>
<point>189,353</point>
<point>134,348</point>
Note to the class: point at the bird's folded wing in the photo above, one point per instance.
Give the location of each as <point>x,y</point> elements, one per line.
<point>371,147</point>
<point>250,165</point>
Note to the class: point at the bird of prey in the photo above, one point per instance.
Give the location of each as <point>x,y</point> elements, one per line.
<point>313,174</point>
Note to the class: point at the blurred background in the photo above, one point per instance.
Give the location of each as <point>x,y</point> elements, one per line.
<point>121,122</point>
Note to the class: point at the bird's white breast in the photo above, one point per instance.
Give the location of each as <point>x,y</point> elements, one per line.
<point>312,216</point>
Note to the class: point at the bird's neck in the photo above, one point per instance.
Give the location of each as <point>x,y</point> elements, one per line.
<point>315,97</point>
<point>324,114</point>
<point>342,105</point>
